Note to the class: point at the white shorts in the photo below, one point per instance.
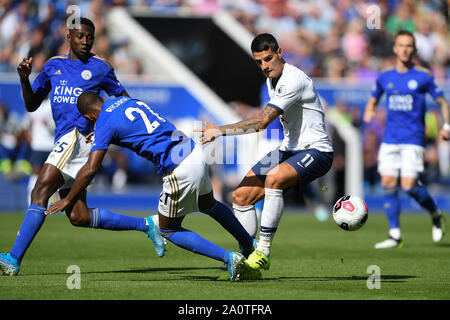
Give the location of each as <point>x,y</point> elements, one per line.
<point>183,186</point>
<point>404,160</point>
<point>69,155</point>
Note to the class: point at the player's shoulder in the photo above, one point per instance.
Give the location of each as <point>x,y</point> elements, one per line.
<point>386,74</point>
<point>291,71</point>
<point>387,71</point>
<point>56,59</point>
<point>293,77</point>
<point>423,70</point>
<point>101,61</point>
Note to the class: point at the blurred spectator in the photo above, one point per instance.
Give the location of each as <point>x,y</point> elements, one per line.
<point>372,137</point>
<point>402,19</point>
<point>38,29</point>
<point>354,42</point>
<point>317,21</point>
<point>206,7</point>
<point>14,147</point>
<point>426,41</point>
<point>335,68</point>
<point>431,156</point>
<point>39,130</point>
<point>124,61</point>
<point>444,158</point>
<point>312,33</point>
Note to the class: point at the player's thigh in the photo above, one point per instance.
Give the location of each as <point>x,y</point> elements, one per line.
<point>183,186</point>
<point>249,191</point>
<point>251,188</point>
<point>302,167</point>
<point>69,155</point>
<point>48,181</point>
<point>412,163</point>
<point>389,160</point>
<point>281,177</point>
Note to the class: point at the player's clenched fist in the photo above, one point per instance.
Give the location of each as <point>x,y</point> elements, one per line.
<point>24,68</point>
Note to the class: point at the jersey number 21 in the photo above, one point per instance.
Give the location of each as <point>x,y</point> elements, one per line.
<point>149,126</point>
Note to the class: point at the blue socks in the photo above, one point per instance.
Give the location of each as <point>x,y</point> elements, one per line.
<point>421,195</point>
<point>33,221</point>
<point>392,203</point>
<point>101,219</point>
<point>105,219</point>
<point>392,207</point>
<point>191,241</point>
<point>223,215</point>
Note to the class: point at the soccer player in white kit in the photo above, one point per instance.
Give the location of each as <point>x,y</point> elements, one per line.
<point>305,154</point>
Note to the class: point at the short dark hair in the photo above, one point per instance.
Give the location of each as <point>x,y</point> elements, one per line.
<point>405,33</point>
<point>263,42</point>
<point>86,100</point>
<point>87,22</point>
<point>84,21</point>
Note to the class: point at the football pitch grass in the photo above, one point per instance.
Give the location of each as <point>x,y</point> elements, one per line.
<point>310,260</point>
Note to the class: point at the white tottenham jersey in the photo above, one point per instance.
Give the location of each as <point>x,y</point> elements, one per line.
<point>302,113</point>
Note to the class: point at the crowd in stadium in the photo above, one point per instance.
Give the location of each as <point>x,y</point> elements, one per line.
<point>325,38</point>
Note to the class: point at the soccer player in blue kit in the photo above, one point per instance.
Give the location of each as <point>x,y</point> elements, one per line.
<point>132,124</point>
<point>63,79</point>
<point>401,151</point>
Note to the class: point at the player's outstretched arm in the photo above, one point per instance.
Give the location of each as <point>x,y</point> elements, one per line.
<point>370,110</point>
<point>84,177</point>
<point>443,104</point>
<point>32,100</point>
<point>255,123</point>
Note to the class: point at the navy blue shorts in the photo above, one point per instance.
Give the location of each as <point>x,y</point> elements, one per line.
<point>310,164</point>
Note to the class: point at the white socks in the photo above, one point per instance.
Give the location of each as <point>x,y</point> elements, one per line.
<point>395,233</point>
<point>247,217</point>
<point>270,218</point>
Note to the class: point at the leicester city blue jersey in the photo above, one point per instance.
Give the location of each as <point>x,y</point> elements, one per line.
<point>405,96</point>
<point>132,124</point>
<point>65,79</point>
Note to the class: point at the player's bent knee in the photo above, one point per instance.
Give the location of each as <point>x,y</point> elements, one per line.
<point>78,219</point>
<point>40,194</point>
<point>389,182</point>
<point>240,198</point>
<point>273,182</point>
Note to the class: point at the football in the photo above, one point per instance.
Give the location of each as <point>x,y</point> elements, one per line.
<point>350,213</point>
